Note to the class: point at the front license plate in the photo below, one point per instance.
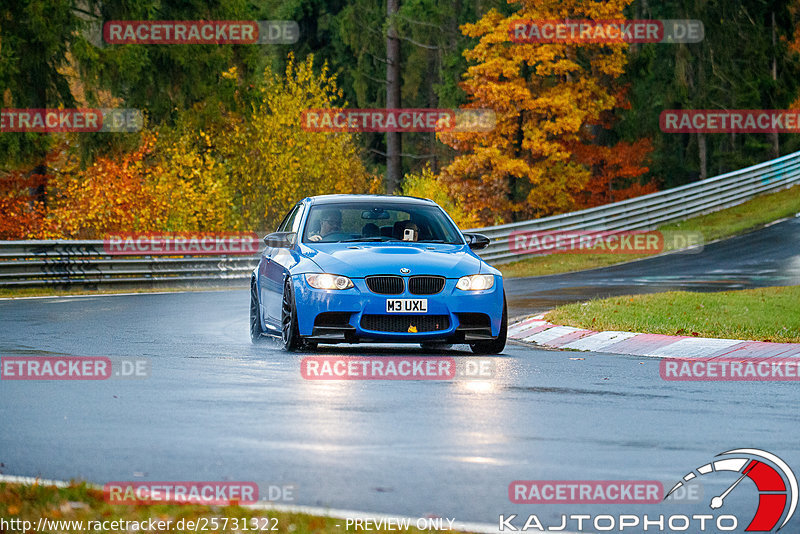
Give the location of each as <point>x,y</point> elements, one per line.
<point>407,306</point>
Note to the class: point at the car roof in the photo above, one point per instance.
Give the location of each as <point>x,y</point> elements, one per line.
<point>338,199</point>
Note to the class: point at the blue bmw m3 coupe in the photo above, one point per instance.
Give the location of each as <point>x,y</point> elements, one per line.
<point>373,268</point>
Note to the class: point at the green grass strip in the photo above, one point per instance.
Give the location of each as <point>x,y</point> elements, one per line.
<point>765,314</point>
<point>80,502</point>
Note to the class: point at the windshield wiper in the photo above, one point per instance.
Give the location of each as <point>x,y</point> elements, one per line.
<point>376,239</point>
<point>369,239</point>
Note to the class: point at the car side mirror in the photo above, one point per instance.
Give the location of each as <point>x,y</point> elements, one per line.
<point>477,241</point>
<point>280,239</point>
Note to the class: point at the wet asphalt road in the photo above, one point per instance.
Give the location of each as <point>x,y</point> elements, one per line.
<point>216,407</point>
<point>768,257</point>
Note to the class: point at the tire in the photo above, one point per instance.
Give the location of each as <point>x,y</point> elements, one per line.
<point>290,336</point>
<point>256,330</point>
<point>496,345</point>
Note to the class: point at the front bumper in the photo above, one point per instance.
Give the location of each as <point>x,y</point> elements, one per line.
<point>357,314</point>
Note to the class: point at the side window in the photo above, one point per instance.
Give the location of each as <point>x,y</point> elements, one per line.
<point>291,221</point>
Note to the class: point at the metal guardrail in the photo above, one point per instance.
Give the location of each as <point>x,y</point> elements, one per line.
<point>649,211</point>
<point>65,263</point>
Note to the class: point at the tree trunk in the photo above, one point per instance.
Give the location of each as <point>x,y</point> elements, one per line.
<point>703,153</point>
<point>776,147</point>
<point>393,142</point>
<point>434,76</point>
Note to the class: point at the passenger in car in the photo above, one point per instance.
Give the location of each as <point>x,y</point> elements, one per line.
<point>406,231</point>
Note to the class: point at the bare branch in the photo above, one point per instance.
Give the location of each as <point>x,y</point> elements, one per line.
<point>421,45</point>
<point>421,23</point>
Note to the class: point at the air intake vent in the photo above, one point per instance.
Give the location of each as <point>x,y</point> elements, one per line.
<point>333,320</point>
<point>404,323</point>
<point>474,321</point>
<point>385,285</point>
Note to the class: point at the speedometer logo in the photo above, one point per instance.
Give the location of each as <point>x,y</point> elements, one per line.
<point>775,481</point>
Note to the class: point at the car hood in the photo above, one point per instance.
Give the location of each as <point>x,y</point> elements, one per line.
<point>358,261</point>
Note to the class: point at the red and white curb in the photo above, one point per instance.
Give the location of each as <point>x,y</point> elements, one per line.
<point>538,331</point>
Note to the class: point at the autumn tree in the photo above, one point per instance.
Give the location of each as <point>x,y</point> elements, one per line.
<point>426,184</point>
<point>215,170</point>
<point>351,36</point>
<point>21,213</point>
<point>617,172</point>
<point>129,193</point>
<point>544,96</point>
<point>618,166</point>
<point>271,162</point>
<point>259,161</point>
<point>109,196</point>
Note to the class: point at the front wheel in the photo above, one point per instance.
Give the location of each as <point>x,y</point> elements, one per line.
<point>256,330</point>
<point>497,345</point>
<point>290,334</point>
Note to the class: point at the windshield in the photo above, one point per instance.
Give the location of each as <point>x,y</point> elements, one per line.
<point>377,222</point>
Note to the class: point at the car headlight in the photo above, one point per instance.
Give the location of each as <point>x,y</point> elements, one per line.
<point>476,282</point>
<point>328,281</point>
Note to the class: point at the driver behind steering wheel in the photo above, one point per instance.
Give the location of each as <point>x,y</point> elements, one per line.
<point>330,223</point>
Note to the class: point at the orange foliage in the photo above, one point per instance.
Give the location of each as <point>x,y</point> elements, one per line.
<point>110,196</point>
<point>126,193</point>
<point>21,212</point>
<point>545,97</point>
<point>615,172</point>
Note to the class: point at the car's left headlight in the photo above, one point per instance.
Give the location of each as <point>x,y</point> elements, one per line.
<point>328,281</point>
<point>476,282</point>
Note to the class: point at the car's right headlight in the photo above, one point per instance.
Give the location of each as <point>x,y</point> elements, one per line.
<point>476,282</point>
<point>328,281</point>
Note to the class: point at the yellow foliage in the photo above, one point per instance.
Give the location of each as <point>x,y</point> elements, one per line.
<point>427,185</point>
<point>266,161</point>
<point>126,195</point>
